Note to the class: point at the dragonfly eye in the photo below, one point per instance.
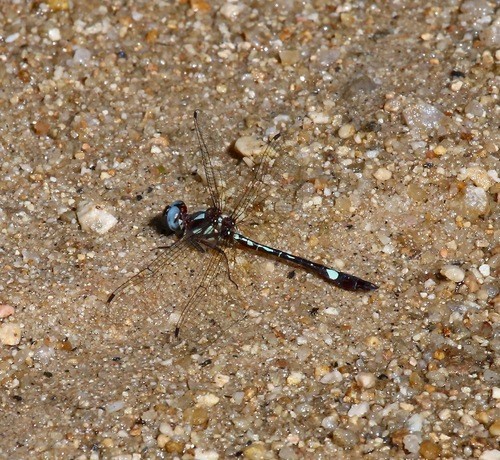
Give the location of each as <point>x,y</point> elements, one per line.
<point>174,216</point>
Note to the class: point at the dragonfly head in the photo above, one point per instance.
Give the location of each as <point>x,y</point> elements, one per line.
<point>174,217</point>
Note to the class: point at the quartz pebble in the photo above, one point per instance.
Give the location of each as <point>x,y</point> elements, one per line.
<point>94,218</point>
<point>422,117</point>
<point>382,174</point>
<point>347,131</point>
<point>10,334</point>
<point>366,380</point>
<point>6,311</point>
<point>493,454</point>
<point>453,273</point>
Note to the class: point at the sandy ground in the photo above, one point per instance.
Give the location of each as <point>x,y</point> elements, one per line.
<point>387,169</point>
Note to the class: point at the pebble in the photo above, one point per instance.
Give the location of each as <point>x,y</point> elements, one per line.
<point>473,202</point>
<point>411,443</point>
<point>231,10</point>
<point>422,116</point>
<point>10,334</point>
<point>382,174</point>
<point>453,273</point>
<point>250,147</point>
<point>484,269</point>
<point>358,410</point>
<point>493,454</point>
<point>256,451</point>
<point>479,177</point>
<point>208,400</point>
<point>366,380</point>
<point>295,378</point>
<point>495,392</point>
<point>6,311</point>
<point>81,56</point>
<point>54,34</point>
<point>221,380</point>
<point>201,454</point>
<point>319,118</point>
<point>289,57</point>
<point>94,218</point>
<point>415,423</point>
<point>347,131</point>
<point>332,377</point>
<point>495,428</point>
<point>429,450</point>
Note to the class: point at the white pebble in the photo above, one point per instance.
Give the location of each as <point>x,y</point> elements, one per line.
<point>332,377</point>
<point>295,378</point>
<point>480,177</point>
<point>330,422</point>
<point>382,174</point>
<point>54,34</point>
<point>166,429</point>
<point>200,454</point>
<point>453,273</point>
<point>495,392</point>
<point>411,443</point>
<point>10,334</point>
<point>319,118</point>
<point>231,10</point>
<point>484,270</point>
<point>81,56</point>
<point>12,38</point>
<point>415,422</point>
<point>366,379</point>
<point>422,116</point>
<point>358,410</point>
<point>115,406</point>
<point>94,218</point>
<point>347,131</point>
<point>221,380</point>
<point>250,146</point>
<point>207,400</point>
<point>493,454</point>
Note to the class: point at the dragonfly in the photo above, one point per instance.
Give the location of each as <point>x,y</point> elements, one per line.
<point>206,301</point>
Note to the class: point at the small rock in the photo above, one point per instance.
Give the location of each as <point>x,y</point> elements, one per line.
<point>10,334</point>
<point>319,118</point>
<point>289,57</point>
<point>54,34</point>
<point>366,379</point>
<point>295,378</point>
<point>429,450</point>
<point>207,400</point>
<point>495,428</point>
<point>480,177</point>
<point>347,131</point>
<point>382,174</point>
<point>358,410</point>
<point>250,147</point>
<point>453,273</point>
<point>94,218</point>
<point>201,454</point>
<point>493,454</point>
<point>6,311</point>
<point>422,117</point>
<point>411,443</point>
<point>256,451</point>
<point>332,377</point>
<point>495,392</point>
<point>231,10</point>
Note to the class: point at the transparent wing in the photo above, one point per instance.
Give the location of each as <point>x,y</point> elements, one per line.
<point>184,293</point>
<point>233,186</point>
<point>254,185</point>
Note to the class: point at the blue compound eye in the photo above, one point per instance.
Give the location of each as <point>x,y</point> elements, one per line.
<point>174,216</point>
